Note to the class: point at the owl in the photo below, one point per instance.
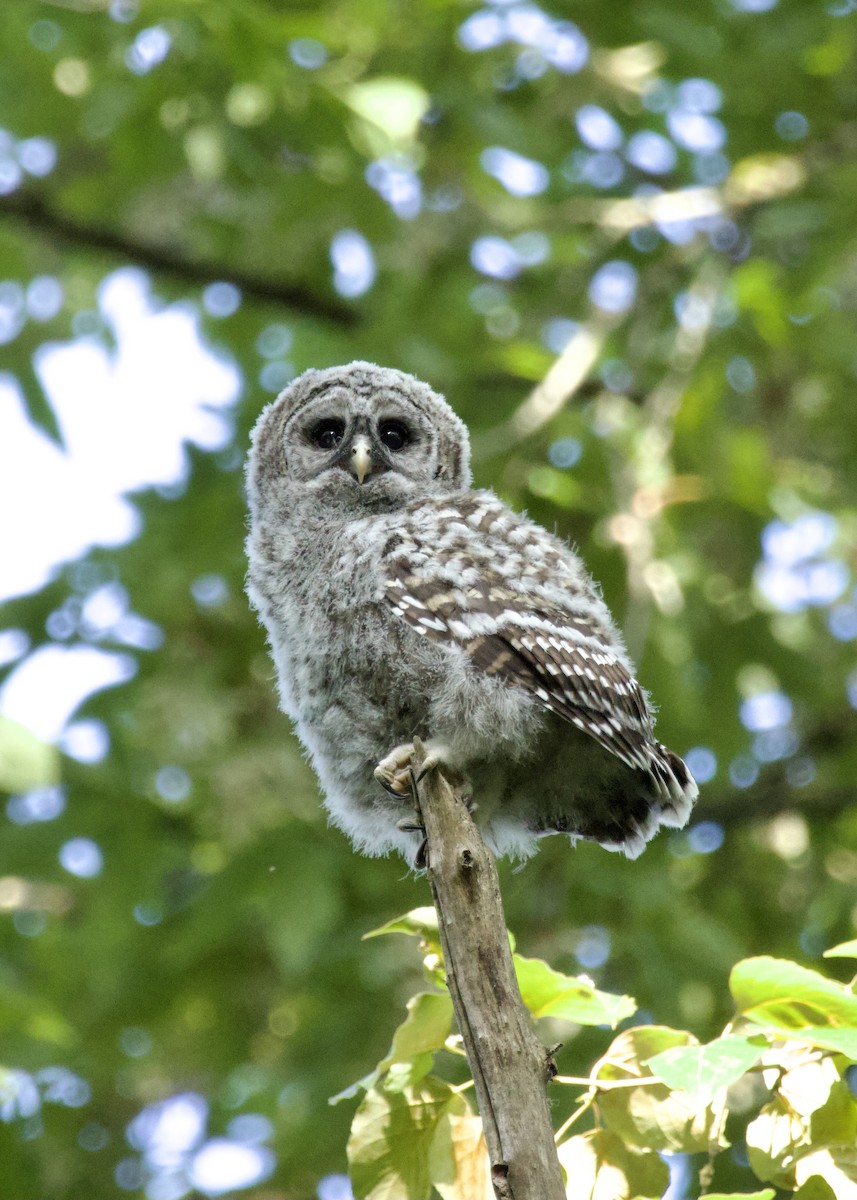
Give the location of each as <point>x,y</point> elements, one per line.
<point>400,602</point>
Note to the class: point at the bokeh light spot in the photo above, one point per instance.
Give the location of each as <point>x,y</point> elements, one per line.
<point>221,299</point>
<point>307,53</point>
<point>701,761</point>
<point>613,287</point>
<point>173,784</point>
<point>353,263</point>
<point>223,1165</point>
<point>81,856</point>
<point>706,837</point>
<point>520,176</point>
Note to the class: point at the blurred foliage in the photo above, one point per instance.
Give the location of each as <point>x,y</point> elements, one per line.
<point>625,249</point>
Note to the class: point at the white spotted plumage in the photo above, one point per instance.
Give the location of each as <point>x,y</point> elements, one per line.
<point>408,603</point>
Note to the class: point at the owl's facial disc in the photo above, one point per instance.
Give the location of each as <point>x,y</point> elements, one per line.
<point>367,444</point>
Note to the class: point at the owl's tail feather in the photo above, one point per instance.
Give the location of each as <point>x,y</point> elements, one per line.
<point>675,786</point>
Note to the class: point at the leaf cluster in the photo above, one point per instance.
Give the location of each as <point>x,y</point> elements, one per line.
<point>778,1081</point>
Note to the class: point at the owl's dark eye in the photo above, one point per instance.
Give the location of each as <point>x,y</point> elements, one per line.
<point>394,435</point>
<point>327,434</point>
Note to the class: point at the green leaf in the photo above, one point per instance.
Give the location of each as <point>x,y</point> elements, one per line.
<point>836,1165</point>
<point>405,1074</point>
<point>599,1165</point>
<point>650,1115</point>
<point>757,290</point>
<point>702,1070</point>
<point>772,1139</point>
<point>778,993</point>
<point>802,1079</point>
<point>549,993</point>
<point>419,922</point>
<point>391,104</point>
<point>765,1194</point>
<point>842,1040</point>
<point>411,1056</point>
<point>25,761</point>
<point>458,1158</point>
<point>843,950</point>
<point>391,1138</point>
<point>836,1119</point>
<point>354,1089</point>
<point>424,1030</point>
<point>814,1188</point>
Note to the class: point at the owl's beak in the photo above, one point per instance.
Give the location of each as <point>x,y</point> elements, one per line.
<point>360,459</point>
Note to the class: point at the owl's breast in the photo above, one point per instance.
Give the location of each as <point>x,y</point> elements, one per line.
<point>342,655</point>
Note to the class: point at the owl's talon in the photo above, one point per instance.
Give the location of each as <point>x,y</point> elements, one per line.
<point>393,772</point>
<point>411,825</point>
<point>429,765</point>
<point>395,784</point>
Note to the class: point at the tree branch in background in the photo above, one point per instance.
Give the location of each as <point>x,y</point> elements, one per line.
<point>510,1066</point>
<point>57,227</point>
<point>769,799</point>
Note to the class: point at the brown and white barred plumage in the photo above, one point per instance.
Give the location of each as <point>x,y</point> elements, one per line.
<point>410,604</point>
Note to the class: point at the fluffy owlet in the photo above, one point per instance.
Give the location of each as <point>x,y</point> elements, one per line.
<point>399,602</point>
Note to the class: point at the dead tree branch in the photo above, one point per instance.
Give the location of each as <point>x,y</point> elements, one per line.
<point>510,1066</point>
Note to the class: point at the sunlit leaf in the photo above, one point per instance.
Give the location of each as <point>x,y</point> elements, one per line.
<point>702,1070</point>
<point>835,1166</point>
<point>765,1194</point>
<point>401,1075</point>
<point>458,1158</point>
<point>391,1138</point>
<point>425,1029</point>
<point>773,1140</point>
<point>649,1115</point>
<point>549,993</point>
<point>599,1166</point>
<point>842,1040</point>
<point>772,991</point>
<point>25,761</point>
<point>843,950</point>
<point>815,1187</point>
<point>411,1056</point>
<point>419,922</point>
<point>804,1082</point>
<point>394,105</point>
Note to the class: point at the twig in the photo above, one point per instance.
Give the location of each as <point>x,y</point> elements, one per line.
<point>60,227</point>
<point>509,1065</point>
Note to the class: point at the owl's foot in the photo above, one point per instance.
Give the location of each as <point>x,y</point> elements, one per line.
<point>439,757</point>
<point>393,772</point>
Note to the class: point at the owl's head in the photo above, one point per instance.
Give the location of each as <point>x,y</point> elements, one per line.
<point>362,436</point>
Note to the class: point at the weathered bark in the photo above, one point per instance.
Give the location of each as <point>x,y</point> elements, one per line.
<point>510,1066</point>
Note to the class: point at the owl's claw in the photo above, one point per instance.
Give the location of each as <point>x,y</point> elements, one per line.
<point>393,772</point>
<point>414,825</point>
<point>411,825</point>
<point>392,784</point>
<point>433,759</point>
<point>397,777</point>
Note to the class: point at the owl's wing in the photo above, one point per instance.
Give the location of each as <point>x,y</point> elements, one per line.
<point>553,652</point>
